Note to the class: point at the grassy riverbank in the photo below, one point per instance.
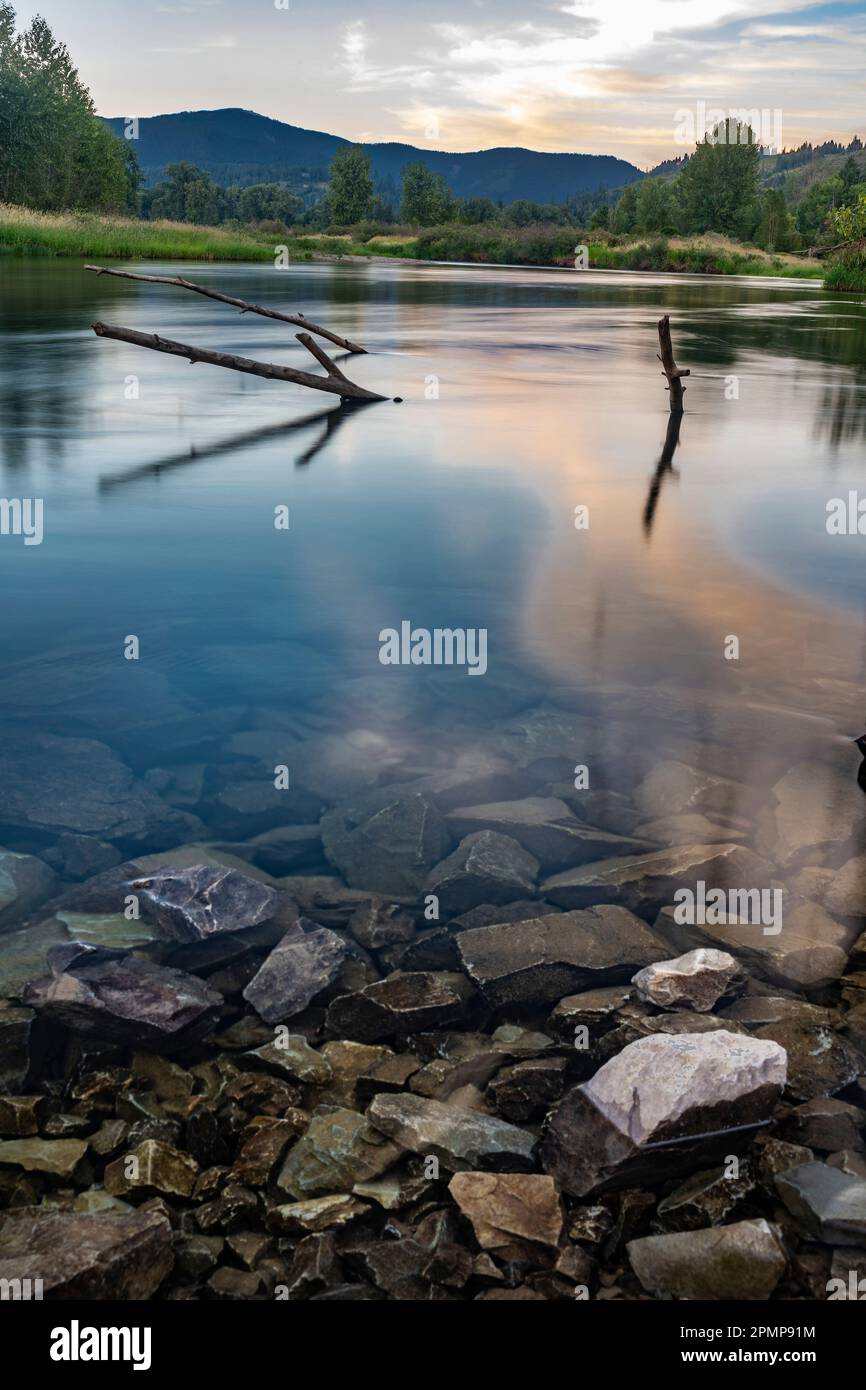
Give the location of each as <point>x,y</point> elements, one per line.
<point>27,233</point>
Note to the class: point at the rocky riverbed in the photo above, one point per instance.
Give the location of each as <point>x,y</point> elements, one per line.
<point>433,1032</point>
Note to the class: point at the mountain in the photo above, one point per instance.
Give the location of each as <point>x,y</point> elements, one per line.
<point>241,147</point>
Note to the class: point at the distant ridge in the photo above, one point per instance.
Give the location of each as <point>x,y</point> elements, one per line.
<point>242,147</point>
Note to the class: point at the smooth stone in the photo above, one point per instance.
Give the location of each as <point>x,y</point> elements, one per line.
<point>540,960</point>
<point>386,841</point>
<point>194,904</point>
<point>846,894</point>
<point>485,868</point>
<point>505,1208</point>
<point>25,882</point>
<point>743,1261</point>
<point>82,856</point>
<point>696,980</point>
<point>460,1139</point>
<point>304,963</point>
<point>109,929</point>
<point>646,883</point>
<point>24,954</point>
<point>659,1089</point>
<point>402,1003</point>
<point>826,1203</point>
<point>82,1255</point>
<point>126,1001</point>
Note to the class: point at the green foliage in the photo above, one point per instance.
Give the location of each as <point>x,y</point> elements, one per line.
<point>625,213</point>
<point>776,230</point>
<point>654,205</point>
<point>813,214</point>
<point>426,198</point>
<point>719,185</point>
<point>94,236</point>
<point>54,150</point>
<point>350,192</point>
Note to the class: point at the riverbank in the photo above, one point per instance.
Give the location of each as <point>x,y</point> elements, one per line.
<point>27,233</point>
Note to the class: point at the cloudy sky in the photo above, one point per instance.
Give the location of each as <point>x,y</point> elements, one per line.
<point>603,76</point>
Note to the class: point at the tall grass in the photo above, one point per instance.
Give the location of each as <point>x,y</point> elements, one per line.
<point>27,233</point>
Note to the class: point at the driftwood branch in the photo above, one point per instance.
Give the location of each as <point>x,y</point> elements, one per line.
<point>673,373</point>
<point>299,320</point>
<point>335,382</point>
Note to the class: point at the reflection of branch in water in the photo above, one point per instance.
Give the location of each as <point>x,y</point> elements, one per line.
<point>333,419</point>
<point>663,467</point>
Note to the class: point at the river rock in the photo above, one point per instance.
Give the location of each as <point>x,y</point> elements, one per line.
<point>378,924</point>
<point>338,1150</point>
<point>696,980</point>
<point>540,960</point>
<point>688,830</point>
<point>817,809</point>
<point>74,784</point>
<point>820,1060</point>
<point>827,1124</point>
<point>291,1056</point>
<point>159,1168</point>
<point>25,882</point>
<point>645,883</point>
<point>385,841</point>
<point>661,1088</point>
<point>742,1261</point>
<point>485,868</point>
<point>124,1000</point>
<point>508,1209</point>
<point>460,1139</point>
<point>87,1256</point>
<point>304,963</point>
<point>674,789</point>
<point>197,903</point>
<point>57,1157</point>
<point>846,893</point>
<point>811,949</point>
<point>545,827</point>
<point>82,856</point>
<point>826,1203</point>
<point>401,1003</point>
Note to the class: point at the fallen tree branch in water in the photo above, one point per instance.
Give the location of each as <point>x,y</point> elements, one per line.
<point>335,382</point>
<point>671,370</point>
<point>299,320</point>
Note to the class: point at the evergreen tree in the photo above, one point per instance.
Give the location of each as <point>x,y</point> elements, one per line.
<point>427,200</point>
<point>625,212</point>
<point>720,181</point>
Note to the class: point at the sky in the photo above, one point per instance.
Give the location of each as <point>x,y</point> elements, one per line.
<point>621,77</point>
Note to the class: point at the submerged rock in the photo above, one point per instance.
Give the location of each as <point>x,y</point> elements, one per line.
<point>742,1261</point>
<point>124,1000</point>
<point>540,960</point>
<point>545,827</point>
<point>459,1139</point>
<point>817,808</point>
<point>647,882</point>
<point>90,1256</point>
<point>386,841</point>
<point>674,789</point>
<point>58,784</point>
<point>662,1088</point>
<point>304,963</point>
<point>402,1003</point>
<point>25,882</point>
<point>485,868</point>
<point>696,980</point>
<point>197,903</point>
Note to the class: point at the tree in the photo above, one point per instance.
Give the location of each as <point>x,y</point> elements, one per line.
<point>475,210</point>
<point>427,200</point>
<point>625,212</point>
<point>600,218</point>
<point>776,230</point>
<point>720,181</point>
<point>350,192</point>
<point>54,150</point>
<point>814,210</point>
<point>653,210</point>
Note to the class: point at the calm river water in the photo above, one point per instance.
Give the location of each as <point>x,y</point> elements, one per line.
<point>526,395</point>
